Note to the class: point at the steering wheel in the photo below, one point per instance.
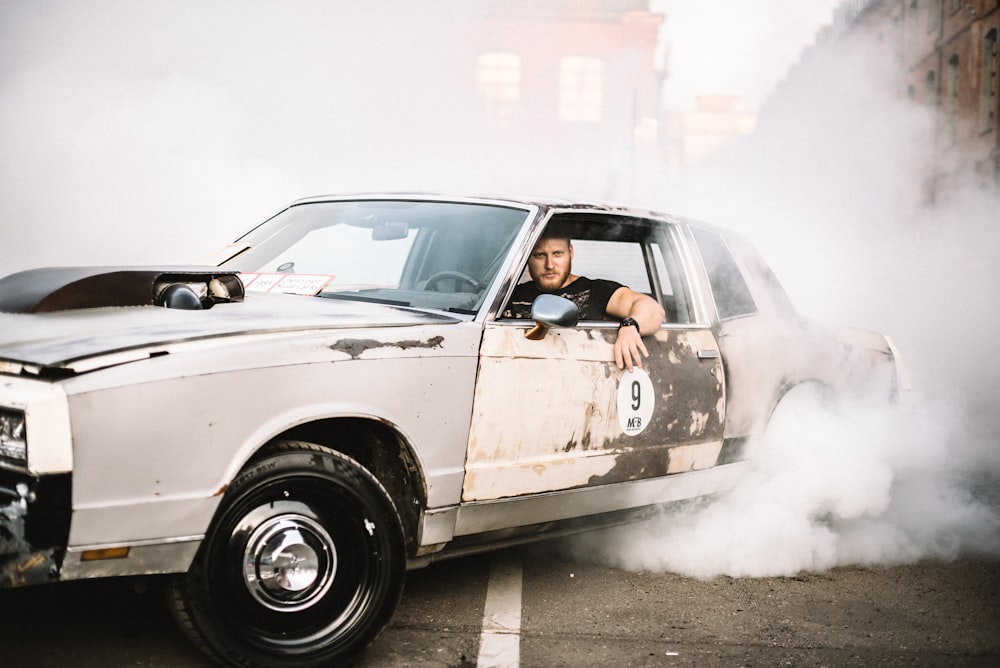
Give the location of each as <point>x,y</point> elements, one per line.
<point>434,279</point>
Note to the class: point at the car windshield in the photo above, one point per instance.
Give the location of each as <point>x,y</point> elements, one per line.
<point>425,254</point>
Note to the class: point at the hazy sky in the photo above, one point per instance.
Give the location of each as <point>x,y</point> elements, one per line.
<point>741,48</point>
<point>144,130</point>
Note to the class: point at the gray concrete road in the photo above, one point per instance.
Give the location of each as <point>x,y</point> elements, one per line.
<point>572,614</point>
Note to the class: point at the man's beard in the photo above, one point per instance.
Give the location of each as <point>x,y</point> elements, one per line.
<point>547,284</point>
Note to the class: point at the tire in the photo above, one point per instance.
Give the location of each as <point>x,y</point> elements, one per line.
<point>303,565</point>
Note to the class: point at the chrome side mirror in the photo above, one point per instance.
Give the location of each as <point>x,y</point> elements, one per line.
<point>551,311</point>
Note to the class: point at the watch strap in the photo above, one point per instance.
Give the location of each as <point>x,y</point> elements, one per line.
<point>629,322</point>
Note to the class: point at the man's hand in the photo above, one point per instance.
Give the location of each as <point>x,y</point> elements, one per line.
<point>626,303</point>
<point>629,348</point>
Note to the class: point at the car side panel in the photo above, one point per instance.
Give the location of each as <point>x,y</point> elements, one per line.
<point>155,464</point>
<point>546,414</point>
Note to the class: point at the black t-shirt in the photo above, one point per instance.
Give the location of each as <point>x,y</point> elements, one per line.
<point>591,296</point>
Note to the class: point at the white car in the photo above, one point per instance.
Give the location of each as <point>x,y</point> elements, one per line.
<point>339,398</point>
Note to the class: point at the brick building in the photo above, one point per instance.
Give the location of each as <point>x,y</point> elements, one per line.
<point>574,78</point>
<point>942,54</point>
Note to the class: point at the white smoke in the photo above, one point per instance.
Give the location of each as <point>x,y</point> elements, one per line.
<point>144,131</point>
<point>761,38</point>
<point>149,131</point>
<point>823,491</point>
<point>831,189</point>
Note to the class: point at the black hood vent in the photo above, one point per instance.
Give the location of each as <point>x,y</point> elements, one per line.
<point>69,288</point>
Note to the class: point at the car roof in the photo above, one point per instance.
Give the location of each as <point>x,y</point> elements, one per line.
<point>542,203</point>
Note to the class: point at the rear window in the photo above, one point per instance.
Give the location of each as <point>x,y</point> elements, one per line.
<point>732,295</point>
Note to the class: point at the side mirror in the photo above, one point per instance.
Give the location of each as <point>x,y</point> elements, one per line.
<point>551,311</point>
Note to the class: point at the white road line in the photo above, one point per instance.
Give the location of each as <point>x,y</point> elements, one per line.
<point>500,642</point>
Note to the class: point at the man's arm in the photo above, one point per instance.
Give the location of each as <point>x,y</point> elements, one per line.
<point>627,303</point>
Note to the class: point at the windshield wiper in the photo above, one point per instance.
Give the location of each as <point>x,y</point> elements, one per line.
<point>355,297</point>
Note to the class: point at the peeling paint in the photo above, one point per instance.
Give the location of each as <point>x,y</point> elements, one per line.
<point>698,422</point>
<point>693,457</point>
<point>545,416</point>
<point>357,347</point>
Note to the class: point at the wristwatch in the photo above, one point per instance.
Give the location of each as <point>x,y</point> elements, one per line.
<point>627,322</point>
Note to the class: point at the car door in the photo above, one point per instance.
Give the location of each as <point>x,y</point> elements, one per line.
<point>557,414</point>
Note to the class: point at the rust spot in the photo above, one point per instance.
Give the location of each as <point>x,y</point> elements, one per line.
<point>356,347</point>
<point>221,490</point>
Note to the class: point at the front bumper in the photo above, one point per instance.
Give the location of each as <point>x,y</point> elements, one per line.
<point>34,527</point>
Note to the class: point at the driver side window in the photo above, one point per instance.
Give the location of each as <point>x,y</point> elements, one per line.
<point>619,261</point>
<point>625,263</point>
<point>637,256</point>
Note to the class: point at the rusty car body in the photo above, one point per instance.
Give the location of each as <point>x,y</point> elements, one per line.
<point>338,397</point>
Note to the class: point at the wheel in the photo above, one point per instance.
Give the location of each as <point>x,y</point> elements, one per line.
<point>457,276</point>
<point>303,565</point>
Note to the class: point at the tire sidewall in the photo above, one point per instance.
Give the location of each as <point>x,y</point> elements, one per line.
<point>206,597</point>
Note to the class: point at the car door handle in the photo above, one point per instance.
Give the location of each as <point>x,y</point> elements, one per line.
<point>708,354</point>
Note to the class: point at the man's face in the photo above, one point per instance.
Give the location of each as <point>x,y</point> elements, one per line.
<point>550,263</point>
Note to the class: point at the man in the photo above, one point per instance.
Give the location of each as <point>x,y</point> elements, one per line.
<point>550,266</point>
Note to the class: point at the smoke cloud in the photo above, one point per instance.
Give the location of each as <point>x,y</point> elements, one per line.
<point>762,39</point>
<point>830,188</point>
<point>147,132</point>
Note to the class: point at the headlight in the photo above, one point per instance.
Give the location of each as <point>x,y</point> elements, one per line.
<point>13,444</point>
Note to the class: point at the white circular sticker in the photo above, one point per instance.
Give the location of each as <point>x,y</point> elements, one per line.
<point>635,401</point>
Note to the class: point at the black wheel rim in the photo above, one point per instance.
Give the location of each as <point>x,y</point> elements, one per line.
<point>298,566</point>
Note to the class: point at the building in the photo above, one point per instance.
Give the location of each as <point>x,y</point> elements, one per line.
<point>950,62</point>
<point>575,79</point>
<point>942,54</point>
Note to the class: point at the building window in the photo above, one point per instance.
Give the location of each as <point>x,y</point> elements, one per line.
<point>931,93</point>
<point>988,83</point>
<point>498,81</point>
<point>581,89</point>
<point>951,102</point>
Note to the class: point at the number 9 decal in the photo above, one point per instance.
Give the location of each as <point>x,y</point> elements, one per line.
<point>635,401</point>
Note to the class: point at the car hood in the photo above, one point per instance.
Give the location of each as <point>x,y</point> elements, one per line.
<point>61,339</point>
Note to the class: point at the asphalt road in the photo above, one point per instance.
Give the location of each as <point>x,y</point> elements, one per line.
<point>573,614</point>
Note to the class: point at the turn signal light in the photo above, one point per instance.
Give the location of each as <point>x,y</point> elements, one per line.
<point>104,553</point>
